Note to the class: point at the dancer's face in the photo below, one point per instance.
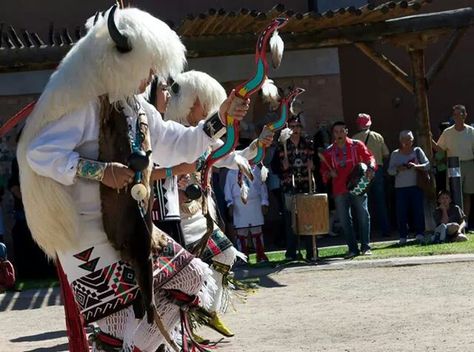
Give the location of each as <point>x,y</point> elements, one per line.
<point>162,97</point>
<point>197,113</point>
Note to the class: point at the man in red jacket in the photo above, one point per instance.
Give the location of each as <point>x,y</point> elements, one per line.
<point>338,160</point>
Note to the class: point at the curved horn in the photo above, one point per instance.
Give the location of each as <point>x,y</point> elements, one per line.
<point>96,17</point>
<point>121,41</point>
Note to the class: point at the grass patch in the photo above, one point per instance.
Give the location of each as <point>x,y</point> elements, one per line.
<point>380,251</point>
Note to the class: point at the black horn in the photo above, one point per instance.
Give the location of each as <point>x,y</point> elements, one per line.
<point>121,41</point>
<point>96,17</point>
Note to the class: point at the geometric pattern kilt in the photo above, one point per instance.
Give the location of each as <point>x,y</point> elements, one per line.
<point>112,288</point>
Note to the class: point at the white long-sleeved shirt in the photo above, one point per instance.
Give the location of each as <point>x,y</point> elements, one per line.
<point>249,214</point>
<point>55,152</point>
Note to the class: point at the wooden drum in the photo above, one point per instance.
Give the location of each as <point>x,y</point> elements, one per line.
<point>312,214</point>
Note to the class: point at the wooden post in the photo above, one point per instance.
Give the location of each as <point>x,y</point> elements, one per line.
<point>422,113</point>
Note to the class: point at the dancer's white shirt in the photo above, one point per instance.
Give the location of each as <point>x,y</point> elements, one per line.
<point>56,151</point>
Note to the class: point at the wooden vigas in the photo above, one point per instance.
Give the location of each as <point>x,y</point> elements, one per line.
<point>312,214</point>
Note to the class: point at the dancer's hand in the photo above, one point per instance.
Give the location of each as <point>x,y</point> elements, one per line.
<point>266,137</point>
<point>234,106</point>
<point>117,176</point>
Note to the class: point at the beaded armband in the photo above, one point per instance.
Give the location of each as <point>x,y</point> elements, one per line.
<point>91,169</point>
<point>214,127</point>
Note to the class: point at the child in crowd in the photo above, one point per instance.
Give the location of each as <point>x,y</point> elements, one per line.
<point>450,220</point>
<point>247,218</point>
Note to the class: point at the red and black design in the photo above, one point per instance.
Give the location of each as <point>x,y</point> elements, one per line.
<point>105,291</point>
<point>216,244</point>
<point>168,262</point>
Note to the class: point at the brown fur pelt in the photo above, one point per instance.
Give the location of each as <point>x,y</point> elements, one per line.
<point>127,230</point>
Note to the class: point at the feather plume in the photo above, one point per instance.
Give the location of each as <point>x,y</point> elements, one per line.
<point>276,47</point>
<point>285,135</point>
<point>264,173</point>
<point>270,93</point>
<point>244,190</point>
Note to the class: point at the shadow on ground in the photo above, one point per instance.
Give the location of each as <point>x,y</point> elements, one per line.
<point>30,299</point>
<point>41,337</point>
<point>58,348</point>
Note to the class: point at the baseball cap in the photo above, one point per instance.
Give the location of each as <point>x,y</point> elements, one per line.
<point>364,120</point>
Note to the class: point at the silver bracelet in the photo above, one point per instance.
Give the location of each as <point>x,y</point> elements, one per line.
<point>91,169</point>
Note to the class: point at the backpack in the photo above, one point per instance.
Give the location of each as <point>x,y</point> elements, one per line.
<point>7,274</point>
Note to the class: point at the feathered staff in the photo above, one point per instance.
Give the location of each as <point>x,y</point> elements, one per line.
<point>284,107</point>
<point>17,118</point>
<point>243,91</point>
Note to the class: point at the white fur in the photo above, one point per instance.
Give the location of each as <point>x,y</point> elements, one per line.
<point>93,67</point>
<point>285,135</point>
<point>194,84</point>
<point>270,93</point>
<point>276,48</point>
<point>264,173</point>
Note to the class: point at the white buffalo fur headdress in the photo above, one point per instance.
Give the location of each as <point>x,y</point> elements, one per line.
<point>93,67</point>
<point>186,88</point>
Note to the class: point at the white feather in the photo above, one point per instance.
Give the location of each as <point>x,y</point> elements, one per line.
<point>264,173</point>
<point>276,47</point>
<point>285,135</point>
<point>244,191</point>
<point>270,93</point>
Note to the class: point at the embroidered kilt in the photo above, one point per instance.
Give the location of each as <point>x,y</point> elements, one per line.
<point>216,244</point>
<point>113,287</point>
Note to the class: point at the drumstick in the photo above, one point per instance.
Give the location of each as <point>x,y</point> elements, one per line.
<point>285,151</point>
<point>323,159</point>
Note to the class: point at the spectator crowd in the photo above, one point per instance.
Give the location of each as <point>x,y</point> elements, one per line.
<point>327,159</point>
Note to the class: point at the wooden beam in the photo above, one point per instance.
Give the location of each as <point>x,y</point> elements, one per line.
<point>443,59</point>
<point>244,43</point>
<point>387,65</point>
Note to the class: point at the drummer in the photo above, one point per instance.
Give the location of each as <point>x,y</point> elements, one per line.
<point>337,162</point>
<point>293,163</point>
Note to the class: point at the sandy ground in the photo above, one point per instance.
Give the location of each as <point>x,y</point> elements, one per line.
<point>419,308</point>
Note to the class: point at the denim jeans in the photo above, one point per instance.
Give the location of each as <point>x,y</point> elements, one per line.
<point>291,239</point>
<point>378,201</point>
<point>344,203</point>
<point>409,204</point>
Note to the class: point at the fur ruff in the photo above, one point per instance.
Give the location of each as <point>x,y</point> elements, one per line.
<point>93,67</point>
<point>192,85</point>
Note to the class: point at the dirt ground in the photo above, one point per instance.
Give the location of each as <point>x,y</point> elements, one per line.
<point>419,308</point>
<point>422,308</point>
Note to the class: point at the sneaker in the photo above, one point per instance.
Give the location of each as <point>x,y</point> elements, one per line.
<point>367,252</point>
<point>402,241</point>
<point>420,238</point>
<point>350,255</point>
